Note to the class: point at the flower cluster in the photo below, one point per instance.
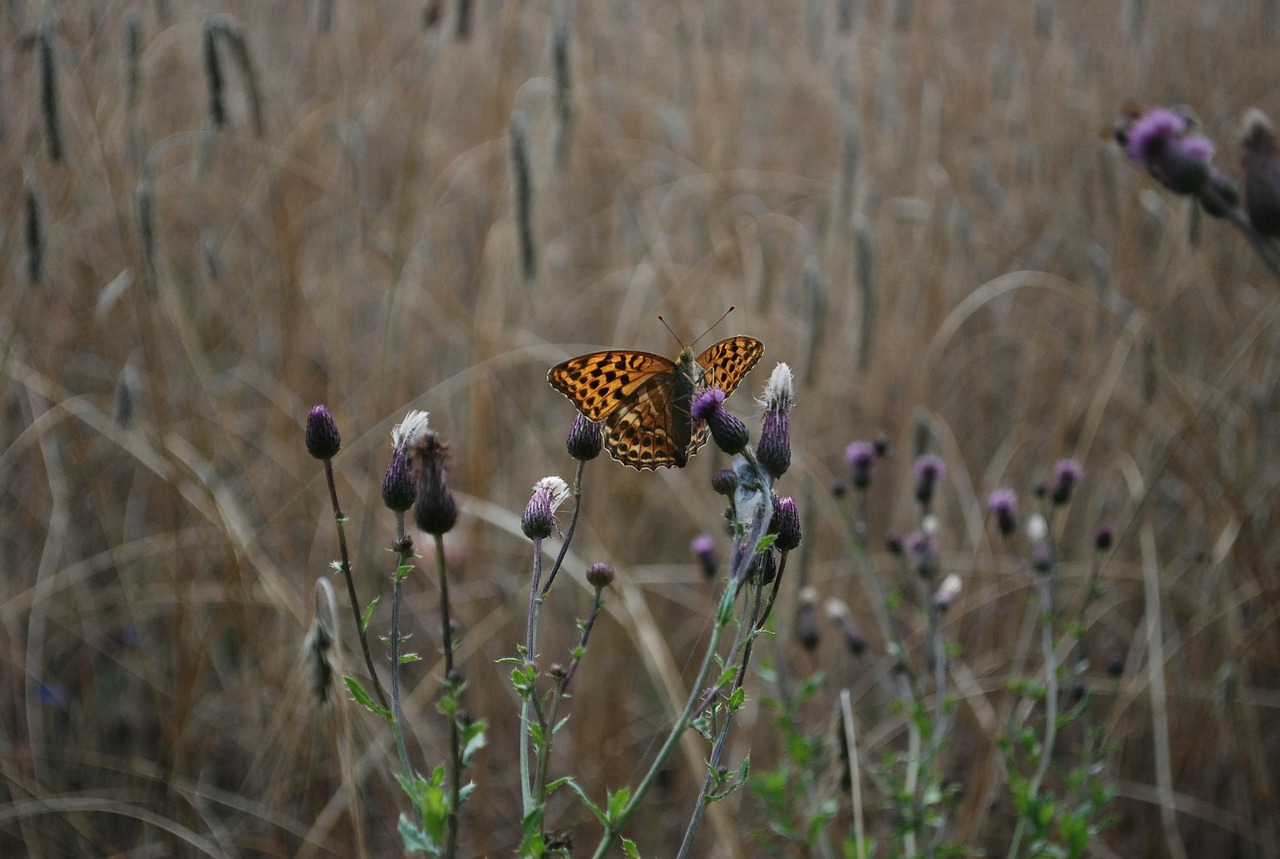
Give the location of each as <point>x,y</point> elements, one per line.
<point>1163,141</point>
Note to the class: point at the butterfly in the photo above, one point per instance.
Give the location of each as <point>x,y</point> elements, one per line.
<point>643,399</point>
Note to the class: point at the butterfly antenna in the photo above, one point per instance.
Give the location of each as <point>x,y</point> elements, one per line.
<point>713,325</point>
<point>673,334</point>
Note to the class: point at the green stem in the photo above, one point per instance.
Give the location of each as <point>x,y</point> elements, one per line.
<point>451,687</point>
<point>345,564</point>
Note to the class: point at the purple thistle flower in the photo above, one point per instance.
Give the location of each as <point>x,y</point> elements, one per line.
<point>323,439</point>
<point>1158,141</point>
<point>434,510</point>
<point>859,456</point>
<point>704,549</point>
<point>786,523</point>
<point>922,548</point>
<point>929,470</point>
<point>398,489</point>
<point>1003,504</point>
<point>539,517</point>
<point>586,438</point>
<point>729,432</point>
<point>1067,474</point>
<point>774,448</point>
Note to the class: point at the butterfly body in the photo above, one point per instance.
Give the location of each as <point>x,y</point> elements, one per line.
<point>644,399</point>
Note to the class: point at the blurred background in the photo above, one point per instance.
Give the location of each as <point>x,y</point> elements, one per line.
<point>218,215</point>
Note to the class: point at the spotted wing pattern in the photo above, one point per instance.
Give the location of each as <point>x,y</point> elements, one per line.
<point>726,363</point>
<point>643,399</point>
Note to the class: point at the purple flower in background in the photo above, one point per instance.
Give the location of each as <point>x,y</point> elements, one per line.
<point>1158,140</point>
<point>1003,504</point>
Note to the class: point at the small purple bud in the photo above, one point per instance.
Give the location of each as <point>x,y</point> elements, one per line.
<point>724,481</point>
<point>586,438</point>
<point>859,456</point>
<point>434,510</point>
<point>729,432</point>
<point>1103,539</point>
<point>787,517</point>
<point>929,470</point>
<point>1067,475</point>
<point>599,575</point>
<point>323,439</point>
<point>1003,504</point>
<point>774,449</point>
<point>704,550</point>
<point>398,489</point>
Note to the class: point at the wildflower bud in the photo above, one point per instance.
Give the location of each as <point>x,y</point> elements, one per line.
<point>600,575</point>
<point>929,470</point>
<point>725,482</point>
<point>729,432</point>
<point>557,671</point>
<point>774,450</point>
<point>893,542</point>
<point>807,630</point>
<point>838,490</point>
<point>1067,474</point>
<point>881,445</point>
<point>704,550</point>
<point>1115,663</point>
<point>434,510</point>
<point>947,592</point>
<point>1158,140</point>
<point>539,516</point>
<point>1003,504</point>
<point>1261,173</point>
<point>1103,539</point>
<point>922,548</point>
<point>586,438</point>
<point>398,490</point>
<point>323,439</point>
<point>859,456</point>
<point>786,522</point>
<point>849,629</point>
<point>455,677</point>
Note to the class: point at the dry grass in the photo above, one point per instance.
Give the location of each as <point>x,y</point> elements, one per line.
<point>1033,298</point>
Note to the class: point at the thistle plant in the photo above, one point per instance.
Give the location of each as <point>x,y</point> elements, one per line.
<point>1058,812</point>
<point>416,479</point>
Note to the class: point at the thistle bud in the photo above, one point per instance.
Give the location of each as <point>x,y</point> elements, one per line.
<point>539,516</point>
<point>807,629</point>
<point>434,510</point>
<point>1067,475</point>
<point>729,432</point>
<point>774,450</point>
<point>786,523</point>
<point>323,439</point>
<point>929,470</point>
<point>600,575</point>
<point>859,456</point>
<point>586,438</point>
<point>1003,504</point>
<point>704,550</point>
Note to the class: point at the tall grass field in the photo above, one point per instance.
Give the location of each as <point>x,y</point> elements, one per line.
<point>219,215</point>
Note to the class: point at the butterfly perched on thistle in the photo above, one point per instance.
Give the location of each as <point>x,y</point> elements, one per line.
<point>643,399</point>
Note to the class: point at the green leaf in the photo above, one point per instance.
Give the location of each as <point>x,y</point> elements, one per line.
<point>629,848</point>
<point>415,840</point>
<point>473,740</point>
<point>363,699</point>
<point>586,800</point>
<point>765,542</point>
<point>368,613</point>
<point>406,658</point>
<point>726,676</point>
<point>617,802</point>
